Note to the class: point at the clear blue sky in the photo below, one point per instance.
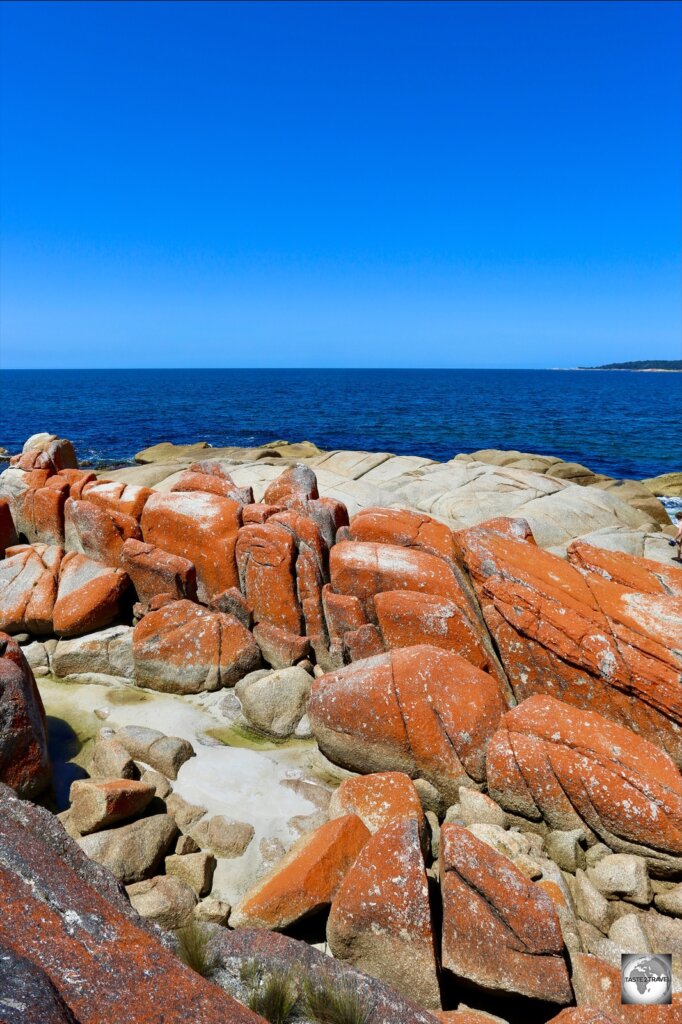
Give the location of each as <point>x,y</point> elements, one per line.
<point>340,184</point>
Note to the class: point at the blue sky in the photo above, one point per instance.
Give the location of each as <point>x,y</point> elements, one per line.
<point>351,184</point>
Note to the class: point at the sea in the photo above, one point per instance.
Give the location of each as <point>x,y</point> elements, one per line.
<point>621,423</point>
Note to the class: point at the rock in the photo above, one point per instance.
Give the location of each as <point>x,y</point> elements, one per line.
<point>590,905</point>
<point>89,595</point>
<point>407,618</point>
<point>46,451</point>
<point>166,754</point>
<point>259,512</point>
<point>211,482</point>
<point>624,876</point>
<point>27,993</point>
<point>132,852</point>
<point>38,512</point>
<point>28,588</point>
<point>201,528</point>
<point>98,533</point>
<point>97,805</point>
<point>224,837</point>
<point>232,602</point>
<point>639,574</point>
<point>107,652</point>
<point>477,808</point>
<point>118,496</point>
<point>185,813</point>
<point>110,760</point>
<point>565,850</point>
<point>185,845</point>
<point>279,954</point>
<point>380,921</point>
<point>154,571</point>
<point>587,641</point>
<point>24,757</point>
<point>581,1015</point>
<point>275,703</point>
<point>307,878</point>
<point>279,647</point>
<point>266,556</point>
<point>363,570</point>
<point>294,488</point>
<point>184,648</point>
<point>212,911</point>
<point>667,485</point>
<point>597,983</point>
<point>670,902</point>
<point>69,918</point>
<point>500,932</point>
<point>195,869</point>
<point>8,534</point>
<point>523,849</point>
<point>363,643</point>
<point>379,799</point>
<point>407,529</point>
<point>420,710</point>
<point>574,769</point>
<point>166,900</point>
<point>36,655</point>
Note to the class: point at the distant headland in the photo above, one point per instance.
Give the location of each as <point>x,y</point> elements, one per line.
<point>670,365</point>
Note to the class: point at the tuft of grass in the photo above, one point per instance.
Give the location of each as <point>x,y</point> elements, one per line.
<point>331,1002</point>
<point>194,948</point>
<point>273,995</point>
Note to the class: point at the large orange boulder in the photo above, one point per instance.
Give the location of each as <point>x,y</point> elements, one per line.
<point>201,528</point>
<point>380,920</point>
<point>90,595</point>
<point>293,488</point>
<point>154,571</point>
<point>641,574</point>
<point>24,759</point>
<point>116,496</point>
<point>553,763</point>
<point>28,588</point>
<point>307,878</point>
<point>379,799</point>
<point>501,932</point>
<point>584,639</point>
<point>407,618</point>
<point>364,570</point>
<point>39,511</point>
<point>97,532</point>
<point>312,572</point>
<point>213,483</point>
<point>46,451</point>
<point>408,529</point>
<point>185,648</point>
<point>419,710</point>
<point>266,556</point>
<point>68,918</point>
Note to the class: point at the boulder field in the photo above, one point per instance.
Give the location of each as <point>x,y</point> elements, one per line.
<point>478,670</point>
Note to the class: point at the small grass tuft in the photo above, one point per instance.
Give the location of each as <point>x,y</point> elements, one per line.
<point>194,948</point>
<point>335,1002</point>
<point>272,994</point>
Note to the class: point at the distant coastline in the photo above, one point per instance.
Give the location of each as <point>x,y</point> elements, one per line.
<point>641,366</point>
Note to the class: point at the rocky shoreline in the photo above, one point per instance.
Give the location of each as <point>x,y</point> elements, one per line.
<point>395,740</point>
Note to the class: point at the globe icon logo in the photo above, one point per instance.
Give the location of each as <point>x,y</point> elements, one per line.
<point>646,979</point>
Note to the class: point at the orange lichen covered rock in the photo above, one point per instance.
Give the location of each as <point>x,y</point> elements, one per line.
<point>307,878</point>
<point>570,768</point>
<point>97,532</point>
<point>259,512</point>
<point>77,479</point>
<point>98,804</point>
<point>213,483</point>
<point>28,588</point>
<point>67,917</point>
<point>293,489</point>
<point>408,529</point>
<point>312,572</point>
<point>501,932</point>
<point>199,527</point>
<point>90,595</point>
<point>154,571</point>
<point>117,496</point>
<point>407,618</point>
<point>378,799</point>
<point>46,451</point>
<point>581,1015</point>
<point>278,647</point>
<point>641,574</point>
<point>39,511</point>
<point>364,570</point>
<point>266,556</point>
<point>24,758</point>
<point>584,639</point>
<point>420,710</point>
<point>343,614</point>
<point>184,648</point>
<point>362,643</point>
<point>380,920</point>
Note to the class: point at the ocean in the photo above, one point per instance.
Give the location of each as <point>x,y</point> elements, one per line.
<point>620,423</point>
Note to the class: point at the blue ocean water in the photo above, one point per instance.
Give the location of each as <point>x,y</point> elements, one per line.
<point>616,422</point>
